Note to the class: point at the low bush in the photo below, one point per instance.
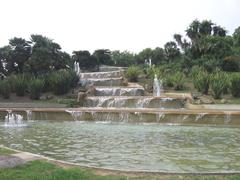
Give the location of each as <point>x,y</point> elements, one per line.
<point>12,79</point>
<point>74,78</point>
<point>35,88</point>
<point>133,73</point>
<point>61,81</point>
<point>5,89</point>
<point>201,80</point>
<point>169,80</point>
<point>235,84</point>
<point>178,80</point>
<point>218,83</point>
<point>20,84</point>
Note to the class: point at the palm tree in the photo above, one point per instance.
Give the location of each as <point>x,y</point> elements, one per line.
<point>218,30</point>
<point>205,28</point>
<point>193,31</point>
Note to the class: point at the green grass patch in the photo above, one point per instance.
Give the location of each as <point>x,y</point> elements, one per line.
<point>234,101</point>
<point>39,170</point>
<point>4,151</point>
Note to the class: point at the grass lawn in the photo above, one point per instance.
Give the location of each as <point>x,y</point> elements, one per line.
<point>4,151</point>
<point>40,170</point>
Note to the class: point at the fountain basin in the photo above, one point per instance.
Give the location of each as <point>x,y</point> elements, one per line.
<point>131,147</point>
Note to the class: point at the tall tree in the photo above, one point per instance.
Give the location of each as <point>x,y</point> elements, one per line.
<point>5,55</point>
<point>219,31</point>
<point>158,56</point>
<point>236,37</point>
<point>205,28</point>
<point>145,54</point>
<point>124,58</point>
<point>20,53</point>
<point>171,50</point>
<point>85,59</point>
<point>46,56</point>
<point>103,56</point>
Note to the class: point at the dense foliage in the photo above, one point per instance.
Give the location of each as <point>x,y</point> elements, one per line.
<point>218,83</point>
<point>35,88</point>
<point>201,79</point>
<point>235,84</point>
<point>133,73</point>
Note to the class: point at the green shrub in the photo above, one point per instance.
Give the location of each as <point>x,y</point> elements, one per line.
<point>20,84</point>
<point>169,80</point>
<point>201,80</point>
<point>235,84</point>
<point>178,80</point>
<point>159,71</point>
<point>35,88</point>
<point>133,73</point>
<point>61,81</point>
<point>5,89</point>
<point>218,83</point>
<point>45,78</point>
<point>74,78</point>
<point>12,79</point>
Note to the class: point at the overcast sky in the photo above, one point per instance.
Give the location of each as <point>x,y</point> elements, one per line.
<point>112,24</point>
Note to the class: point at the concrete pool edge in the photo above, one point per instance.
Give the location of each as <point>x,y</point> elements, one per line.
<point>27,156</point>
<point>129,110</point>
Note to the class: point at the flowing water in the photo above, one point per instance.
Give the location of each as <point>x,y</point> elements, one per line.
<point>131,146</point>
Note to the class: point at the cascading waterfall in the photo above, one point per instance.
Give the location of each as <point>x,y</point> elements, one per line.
<point>77,115</point>
<point>185,117</point>
<point>124,117</point>
<point>227,117</point>
<point>200,116</point>
<point>102,100</point>
<point>29,115</point>
<point>119,91</point>
<point>160,116</point>
<point>143,102</point>
<point>13,119</point>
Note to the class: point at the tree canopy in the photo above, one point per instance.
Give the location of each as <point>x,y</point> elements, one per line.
<point>204,43</point>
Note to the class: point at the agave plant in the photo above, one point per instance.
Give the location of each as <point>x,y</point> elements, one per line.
<point>235,84</point>
<point>218,83</point>
<point>201,80</point>
<point>20,84</point>
<point>35,88</point>
<point>5,89</point>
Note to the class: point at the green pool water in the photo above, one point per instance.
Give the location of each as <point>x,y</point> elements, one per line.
<point>130,146</point>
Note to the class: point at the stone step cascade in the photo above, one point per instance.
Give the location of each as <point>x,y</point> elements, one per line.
<point>108,90</point>
<point>128,102</point>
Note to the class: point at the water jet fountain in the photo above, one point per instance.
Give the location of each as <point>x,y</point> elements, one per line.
<point>13,119</point>
<point>157,86</point>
